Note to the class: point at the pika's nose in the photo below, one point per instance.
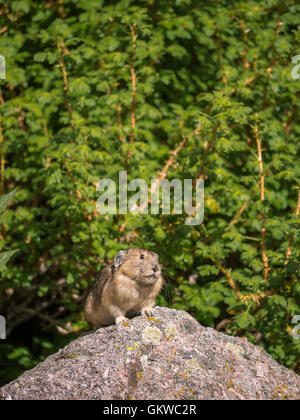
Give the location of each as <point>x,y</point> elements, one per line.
<point>155,268</point>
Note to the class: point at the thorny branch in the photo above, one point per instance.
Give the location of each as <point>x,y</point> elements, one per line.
<point>133,80</point>
<point>2,161</point>
<point>238,215</point>
<point>231,282</point>
<point>262,197</point>
<point>61,48</point>
<point>291,239</point>
<point>119,123</point>
<point>168,164</point>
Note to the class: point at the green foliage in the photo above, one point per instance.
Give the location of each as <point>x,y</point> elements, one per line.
<point>217,74</point>
<point>4,201</point>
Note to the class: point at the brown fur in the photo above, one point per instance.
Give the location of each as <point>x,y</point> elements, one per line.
<point>124,288</point>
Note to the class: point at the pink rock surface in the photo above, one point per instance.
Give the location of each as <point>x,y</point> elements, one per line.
<point>169,356</point>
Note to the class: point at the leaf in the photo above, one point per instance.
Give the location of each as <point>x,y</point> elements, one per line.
<point>5,256</point>
<point>5,200</point>
<point>244,320</point>
<point>291,267</point>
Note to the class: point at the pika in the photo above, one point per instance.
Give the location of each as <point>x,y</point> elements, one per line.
<point>124,288</point>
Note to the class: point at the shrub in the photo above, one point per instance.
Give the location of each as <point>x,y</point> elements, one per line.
<point>177,89</point>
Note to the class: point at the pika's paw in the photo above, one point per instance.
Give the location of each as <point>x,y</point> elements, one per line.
<point>147,312</point>
<point>121,320</point>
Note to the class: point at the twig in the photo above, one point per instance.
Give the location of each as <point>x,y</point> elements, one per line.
<point>255,297</point>
<point>60,46</point>
<point>170,161</point>
<point>226,272</point>
<point>2,161</point>
<point>276,33</point>
<point>163,172</point>
<point>251,79</point>
<point>133,80</point>
<point>119,123</point>
<point>36,313</point>
<point>291,239</point>
<point>222,324</point>
<point>210,145</point>
<point>272,64</point>
<point>245,31</point>
<point>287,125</point>
<point>61,11</point>
<point>231,282</point>
<point>262,197</point>
<point>238,215</point>
<point>1,97</point>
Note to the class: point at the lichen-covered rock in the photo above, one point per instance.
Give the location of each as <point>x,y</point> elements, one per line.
<point>168,356</point>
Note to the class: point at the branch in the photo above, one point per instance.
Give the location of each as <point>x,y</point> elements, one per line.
<point>119,123</point>
<point>240,212</point>
<point>133,80</point>
<point>208,148</point>
<point>43,317</point>
<point>231,282</point>
<point>291,239</point>
<point>238,215</point>
<point>222,324</point>
<point>1,97</point>
<point>287,125</point>
<point>2,161</point>
<point>60,46</point>
<point>244,53</point>
<point>163,172</point>
<point>262,197</point>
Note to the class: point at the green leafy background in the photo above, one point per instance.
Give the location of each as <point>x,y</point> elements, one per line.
<point>95,87</point>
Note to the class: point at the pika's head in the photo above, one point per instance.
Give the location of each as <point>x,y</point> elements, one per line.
<point>138,264</point>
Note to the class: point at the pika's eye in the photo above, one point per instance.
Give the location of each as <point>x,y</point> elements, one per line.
<point>142,256</point>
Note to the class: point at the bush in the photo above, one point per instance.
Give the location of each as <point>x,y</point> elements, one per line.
<point>177,89</point>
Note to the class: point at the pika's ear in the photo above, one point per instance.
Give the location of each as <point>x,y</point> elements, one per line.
<point>119,258</point>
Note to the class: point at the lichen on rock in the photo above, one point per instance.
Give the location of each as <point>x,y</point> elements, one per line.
<point>152,335</point>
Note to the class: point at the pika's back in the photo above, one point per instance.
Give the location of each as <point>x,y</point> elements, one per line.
<point>102,278</point>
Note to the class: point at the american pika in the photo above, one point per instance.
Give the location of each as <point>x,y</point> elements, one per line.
<point>124,288</point>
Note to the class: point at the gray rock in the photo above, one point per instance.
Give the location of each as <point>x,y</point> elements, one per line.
<point>169,356</point>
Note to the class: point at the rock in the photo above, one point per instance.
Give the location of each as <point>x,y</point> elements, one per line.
<point>169,356</point>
